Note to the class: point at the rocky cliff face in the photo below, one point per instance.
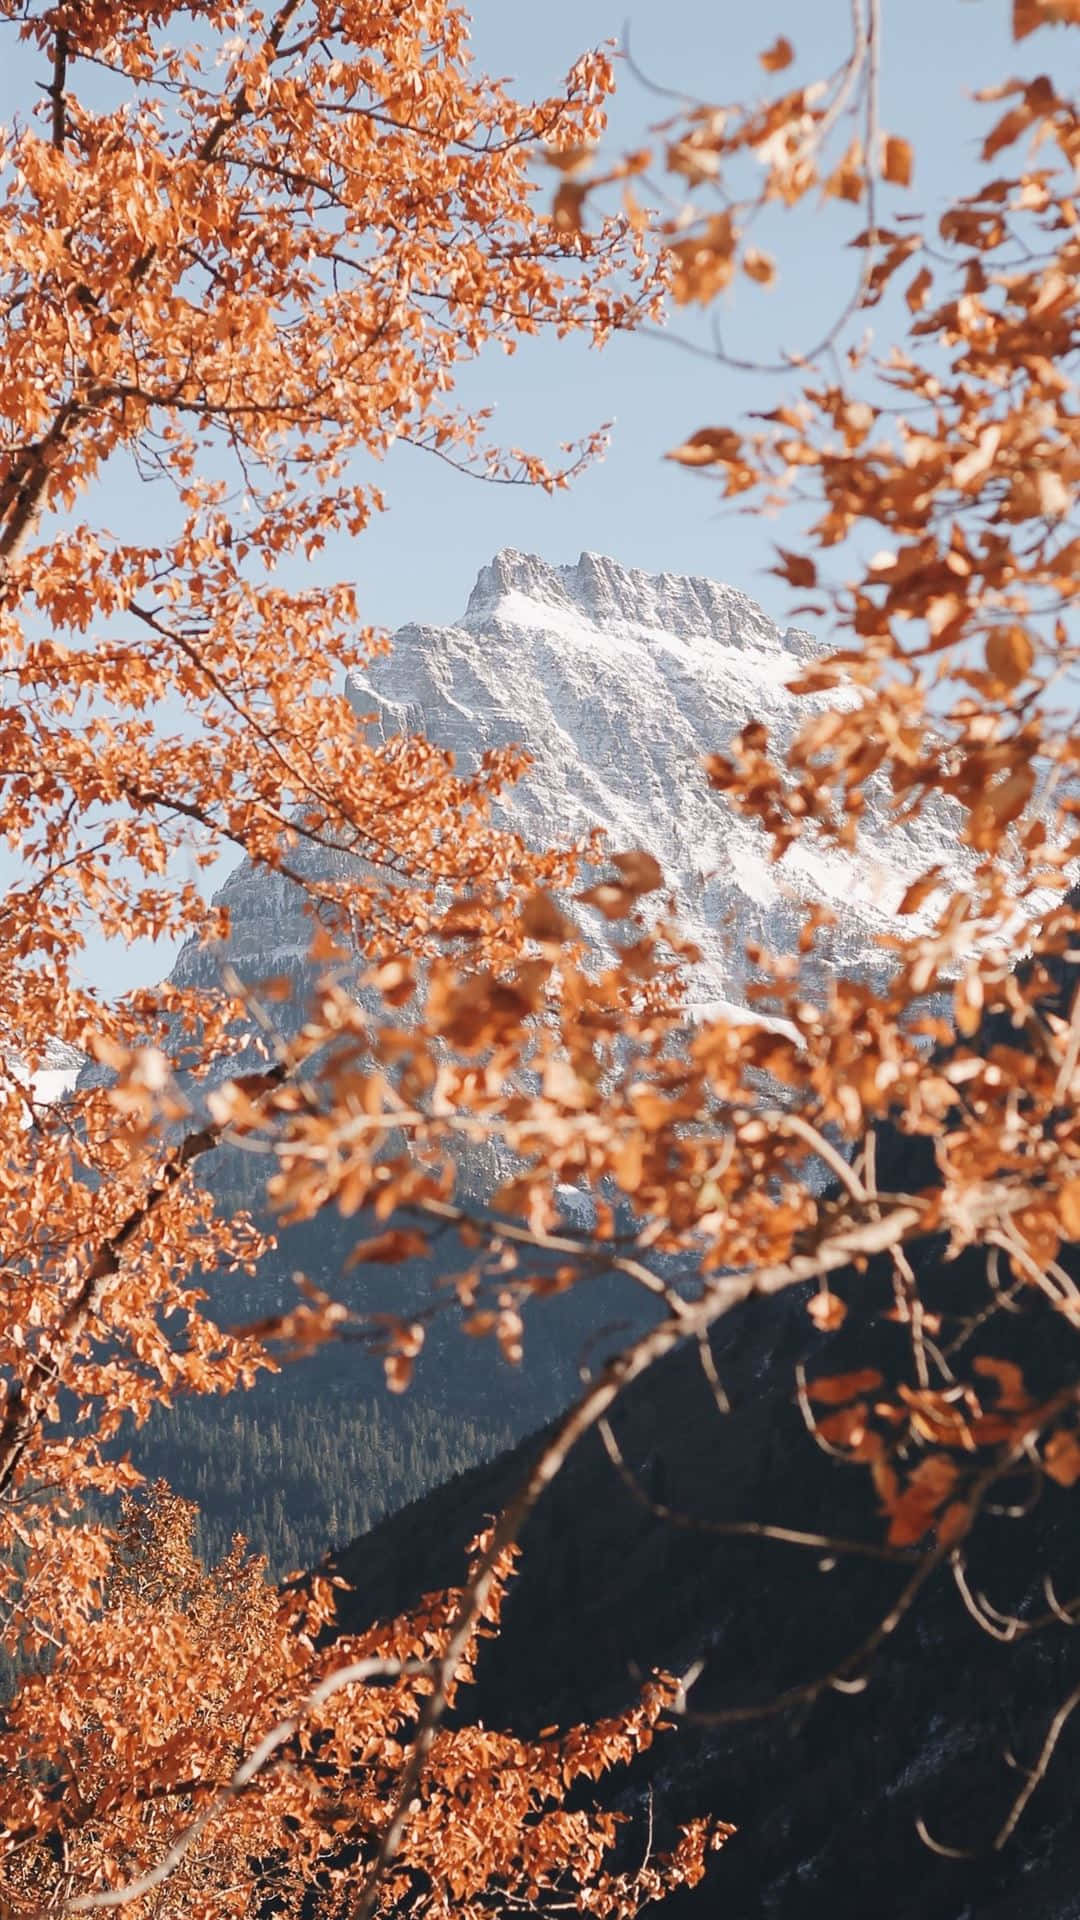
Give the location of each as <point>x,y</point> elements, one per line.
<point>618,683</point>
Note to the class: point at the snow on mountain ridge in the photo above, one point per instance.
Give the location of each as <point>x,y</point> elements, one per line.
<point>607,594</point>
<point>619,683</point>
<point>55,1076</point>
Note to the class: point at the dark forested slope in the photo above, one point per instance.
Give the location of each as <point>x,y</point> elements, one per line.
<point>827,1790</point>
<point>827,1793</point>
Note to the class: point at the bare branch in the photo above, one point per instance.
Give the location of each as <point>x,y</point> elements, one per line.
<point>1034,1777</point>
<point>614,1378</point>
<point>746,1529</point>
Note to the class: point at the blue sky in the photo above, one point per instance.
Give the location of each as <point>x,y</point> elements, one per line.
<point>418,561</point>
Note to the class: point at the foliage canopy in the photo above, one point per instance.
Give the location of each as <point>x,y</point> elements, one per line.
<point>250,250</point>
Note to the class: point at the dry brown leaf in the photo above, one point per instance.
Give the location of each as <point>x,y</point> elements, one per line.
<point>896,161</point>
<point>1009,797</point>
<point>707,447</point>
<point>833,1389</point>
<point>972,466</point>
<point>1009,654</point>
<point>543,920</point>
<point>918,289</point>
<point>1031,14</point>
<point>915,1509</point>
<point>759,266</point>
<point>612,901</point>
<point>396,1244</point>
<point>1061,1458</point>
<point>920,890</point>
<point>568,159</point>
<point>968,1001</point>
<point>778,56</point>
<point>797,568</point>
<point>827,1311</point>
<point>567,206</point>
<point>1012,1395</point>
<point>640,872</point>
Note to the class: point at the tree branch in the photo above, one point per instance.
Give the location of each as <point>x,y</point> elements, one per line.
<point>359,1673</point>
<point>26,1403</point>
<point>56,91</point>
<point>615,1377</point>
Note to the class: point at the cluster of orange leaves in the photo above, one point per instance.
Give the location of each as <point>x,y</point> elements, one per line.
<point>241,253</point>
<point>126,1757</point>
<point>258,268</point>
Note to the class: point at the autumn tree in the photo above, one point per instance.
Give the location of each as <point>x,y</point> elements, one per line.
<point>924,456</point>
<point>262,268</point>
<point>938,1111</point>
<point>304,1747</point>
<point>242,255</point>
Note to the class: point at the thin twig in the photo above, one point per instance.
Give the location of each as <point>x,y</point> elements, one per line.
<point>849,1675</point>
<point>708,1367</point>
<point>1034,1778</point>
<point>748,1529</point>
<point>596,1256</point>
<point>616,1376</point>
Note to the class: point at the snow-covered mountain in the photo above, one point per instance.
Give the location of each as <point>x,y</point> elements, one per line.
<point>54,1078</point>
<point>618,682</point>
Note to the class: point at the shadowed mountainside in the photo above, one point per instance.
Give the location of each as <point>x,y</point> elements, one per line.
<point>826,1792</point>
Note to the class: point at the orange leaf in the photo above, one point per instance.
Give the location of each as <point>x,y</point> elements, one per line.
<point>1030,14</point>
<point>779,55</point>
<point>846,1427</point>
<point>953,1522</point>
<point>759,266</point>
<point>567,206</point>
<point>640,872</point>
<point>1009,654</point>
<point>324,946</point>
<point>833,1389</point>
<point>1009,799</point>
<point>796,569</point>
<point>896,160</point>
<point>543,920</point>
<point>395,982</point>
<point>917,291</point>
<point>920,890</point>
<point>927,1490</point>
<point>1012,1394</point>
<point>968,1001</point>
<point>827,1311</point>
<point>568,159</point>
<point>1068,1208</point>
<point>399,1371</point>
<point>613,902</point>
<point>707,447</point>
<point>397,1243</point>
<point>1061,1458</point>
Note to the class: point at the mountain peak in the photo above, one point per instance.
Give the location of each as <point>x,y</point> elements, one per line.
<point>619,683</point>
<point>607,594</point>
